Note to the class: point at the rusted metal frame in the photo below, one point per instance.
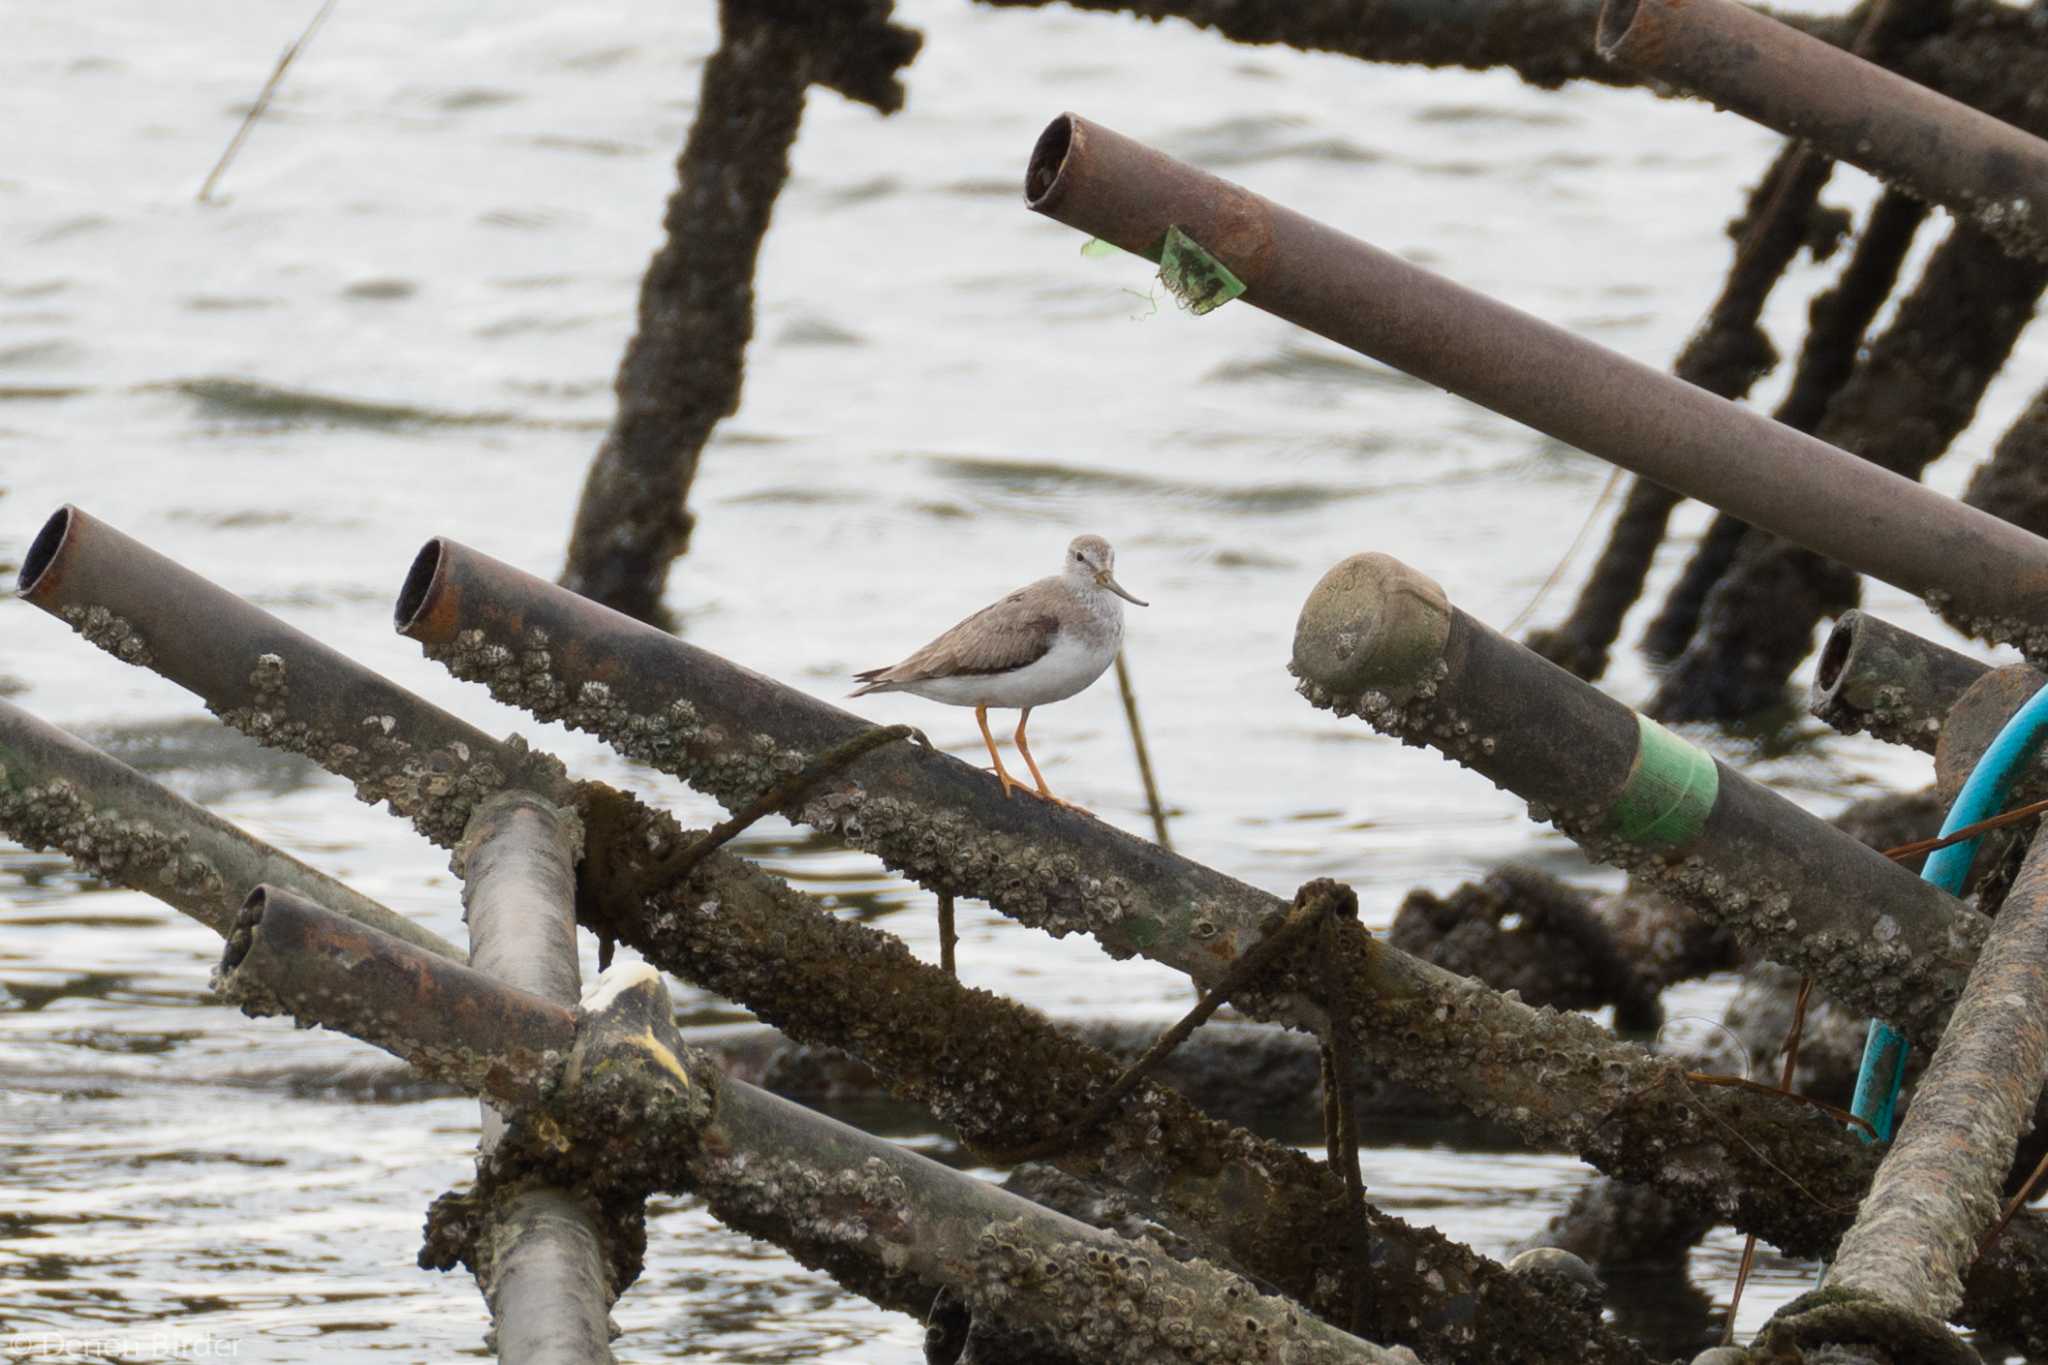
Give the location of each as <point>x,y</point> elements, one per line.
<point>1994,574</point>
<point>541,1256</point>
<point>1939,1187</point>
<point>56,791</point>
<point>1986,171</point>
<point>682,370</point>
<point>765,944</point>
<point>862,1207</point>
<point>1379,640</point>
<point>1877,678</point>
<point>725,729</point>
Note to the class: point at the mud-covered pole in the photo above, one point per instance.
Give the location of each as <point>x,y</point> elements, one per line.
<point>1986,571</point>
<point>1986,171</point>
<point>57,791</point>
<point>547,1277</point>
<point>1939,1187</point>
<point>1379,640</point>
<point>1877,678</point>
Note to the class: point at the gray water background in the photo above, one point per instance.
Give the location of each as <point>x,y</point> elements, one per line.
<point>403,321</point>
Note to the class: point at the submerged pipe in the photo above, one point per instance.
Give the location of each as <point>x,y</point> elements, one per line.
<point>1877,678</point>
<point>1853,110</point>
<point>1989,573</point>
<point>57,791</point>
<point>548,1280</point>
<point>1379,640</point>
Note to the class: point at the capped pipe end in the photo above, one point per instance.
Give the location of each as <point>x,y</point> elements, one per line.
<point>1371,625</point>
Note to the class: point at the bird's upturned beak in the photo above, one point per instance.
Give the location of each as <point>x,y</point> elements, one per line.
<point>1108,580</point>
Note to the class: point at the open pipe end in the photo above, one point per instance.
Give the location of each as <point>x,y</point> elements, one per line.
<point>1833,667</point>
<point>421,590</point>
<point>1048,159</point>
<point>243,937</point>
<point>44,553</point>
<point>1616,18</point>
<point>1372,625</point>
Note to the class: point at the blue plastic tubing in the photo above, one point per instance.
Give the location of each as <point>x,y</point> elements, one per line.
<point>1884,1051</point>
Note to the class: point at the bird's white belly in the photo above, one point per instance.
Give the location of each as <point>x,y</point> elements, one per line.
<point>1068,667</point>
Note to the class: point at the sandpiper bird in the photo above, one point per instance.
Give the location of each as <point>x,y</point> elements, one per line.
<point>1040,644</point>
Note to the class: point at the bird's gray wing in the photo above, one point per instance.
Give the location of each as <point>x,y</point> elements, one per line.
<point>1001,637</point>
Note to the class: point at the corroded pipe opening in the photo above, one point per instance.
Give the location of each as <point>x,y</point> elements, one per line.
<point>1616,17</point>
<point>244,936</point>
<point>1371,624</point>
<point>422,582</point>
<point>1834,658</point>
<point>1048,158</point>
<point>49,543</point>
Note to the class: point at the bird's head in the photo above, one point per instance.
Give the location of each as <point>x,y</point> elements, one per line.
<point>1092,564</point>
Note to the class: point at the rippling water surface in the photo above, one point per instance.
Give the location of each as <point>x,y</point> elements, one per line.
<point>402,321</point>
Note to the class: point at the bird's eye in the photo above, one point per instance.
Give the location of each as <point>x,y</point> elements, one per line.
<point>1077,556</point>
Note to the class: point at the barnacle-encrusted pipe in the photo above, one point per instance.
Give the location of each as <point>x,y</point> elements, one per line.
<point>267,679</point>
<point>857,1205</point>
<point>540,1257</point>
<point>1881,679</point>
<point>1939,150</point>
<point>1986,571</point>
<point>751,937</point>
<point>1939,1186</point>
<point>1378,640</point>
<point>288,955</point>
<point>56,791</point>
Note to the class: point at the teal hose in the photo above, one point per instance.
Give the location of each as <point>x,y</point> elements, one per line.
<point>1983,796</point>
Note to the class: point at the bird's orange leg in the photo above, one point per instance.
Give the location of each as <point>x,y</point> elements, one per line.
<point>1039,777</point>
<point>981,719</point>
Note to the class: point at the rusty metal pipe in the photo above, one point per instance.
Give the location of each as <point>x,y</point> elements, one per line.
<point>57,791</point>
<point>267,679</point>
<point>1905,134</point>
<point>1379,640</point>
<point>1994,574</point>
<point>288,955</point>
<point>1877,678</point>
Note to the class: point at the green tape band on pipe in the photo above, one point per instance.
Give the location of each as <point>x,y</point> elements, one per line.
<point>1670,789</point>
<point>1192,275</point>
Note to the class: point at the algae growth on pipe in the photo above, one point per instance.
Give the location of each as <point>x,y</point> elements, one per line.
<point>1379,640</point>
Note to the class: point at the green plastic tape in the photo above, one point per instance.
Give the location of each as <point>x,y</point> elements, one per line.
<point>1192,275</point>
<point>1670,789</point>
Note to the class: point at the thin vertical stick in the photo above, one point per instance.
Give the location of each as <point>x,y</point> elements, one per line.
<point>949,938</point>
<point>1123,686</point>
<point>1784,1084</point>
<point>262,100</point>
